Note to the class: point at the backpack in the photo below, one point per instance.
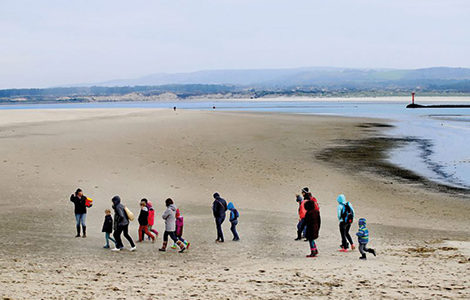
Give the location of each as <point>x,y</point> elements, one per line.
<point>347,214</point>
<point>129,214</point>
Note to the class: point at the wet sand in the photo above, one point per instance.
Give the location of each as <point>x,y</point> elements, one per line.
<point>258,161</point>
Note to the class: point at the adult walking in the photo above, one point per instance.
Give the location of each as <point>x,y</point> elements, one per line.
<point>312,223</point>
<point>169,215</point>
<point>79,200</point>
<point>345,213</point>
<point>219,207</point>
<point>121,225</point>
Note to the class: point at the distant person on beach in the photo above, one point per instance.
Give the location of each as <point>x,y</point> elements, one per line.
<point>79,200</point>
<point>170,226</point>
<point>174,108</point>
<point>179,223</point>
<point>345,213</point>
<point>312,223</point>
<point>108,228</point>
<point>363,239</point>
<point>144,222</point>
<point>151,220</point>
<point>234,215</point>
<point>121,225</point>
<point>219,207</point>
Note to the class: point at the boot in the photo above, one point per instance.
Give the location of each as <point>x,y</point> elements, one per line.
<point>299,236</point>
<point>181,245</point>
<point>313,253</point>
<point>84,232</point>
<point>363,257</point>
<point>163,248</point>
<point>78,231</point>
<point>372,251</point>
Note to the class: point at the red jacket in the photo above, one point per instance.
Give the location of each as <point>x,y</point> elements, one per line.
<point>317,207</point>
<point>302,210</point>
<point>151,216</point>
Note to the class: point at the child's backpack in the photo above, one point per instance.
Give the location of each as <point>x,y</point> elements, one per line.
<point>347,214</point>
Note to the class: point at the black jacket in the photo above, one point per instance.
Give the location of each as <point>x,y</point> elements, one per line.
<point>108,224</point>
<point>312,221</point>
<point>144,216</point>
<point>219,207</point>
<point>120,216</point>
<point>80,207</point>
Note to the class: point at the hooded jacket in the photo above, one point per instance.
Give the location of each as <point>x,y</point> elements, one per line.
<point>169,215</point>
<point>120,216</point>
<point>219,206</point>
<point>151,219</point>
<point>312,221</point>
<point>341,207</point>
<point>363,232</point>
<point>233,212</point>
<point>80,207</point>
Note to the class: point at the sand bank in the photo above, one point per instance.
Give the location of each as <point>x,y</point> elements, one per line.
<point>258,161</point>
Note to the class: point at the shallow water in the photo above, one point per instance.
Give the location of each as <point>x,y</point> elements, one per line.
<point>440,152</point>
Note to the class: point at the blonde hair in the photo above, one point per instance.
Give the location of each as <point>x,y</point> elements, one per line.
<point>106,211</point>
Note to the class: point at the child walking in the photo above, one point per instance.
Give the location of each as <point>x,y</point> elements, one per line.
<point>151,218</point>
<point>312,222</point>
<point>108,228</point>
<point>179,229</point>
<point>170,226</point>
<point>234,215</point>
<point>144,221</point>
<point>363,239</point>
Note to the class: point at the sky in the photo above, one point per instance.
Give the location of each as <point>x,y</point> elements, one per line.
<point>58,43</point>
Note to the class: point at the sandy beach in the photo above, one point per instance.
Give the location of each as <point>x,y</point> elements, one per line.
<point>257,160</point>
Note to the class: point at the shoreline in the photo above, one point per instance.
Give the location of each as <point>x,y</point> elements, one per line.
<point>203,99</point>
<point>349,153</point>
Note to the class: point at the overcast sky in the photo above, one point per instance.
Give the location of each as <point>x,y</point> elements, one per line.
<point>49,43</point>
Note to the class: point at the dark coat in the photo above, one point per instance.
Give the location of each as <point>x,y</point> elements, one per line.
<point>80,207</point>
<point>312,221</point>
<point>108,224</point>
<point>144,217</point>
<point>120,216</point>
<point>219,207</point>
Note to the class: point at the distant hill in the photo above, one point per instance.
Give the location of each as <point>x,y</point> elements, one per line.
<point>230,84</point>
<point>318,77</point>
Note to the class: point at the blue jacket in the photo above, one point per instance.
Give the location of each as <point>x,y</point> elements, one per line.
<point>341,206</point>
<point>233,212</point>
<point>363,232</point>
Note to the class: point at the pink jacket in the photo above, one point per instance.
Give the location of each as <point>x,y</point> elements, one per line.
<point>151,213</point>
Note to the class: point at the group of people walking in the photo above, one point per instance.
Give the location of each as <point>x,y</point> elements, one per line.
<point>308,226</point>
<point>172,217</point>
<point>310,221</point>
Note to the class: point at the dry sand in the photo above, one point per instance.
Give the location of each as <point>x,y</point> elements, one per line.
<point>258,161</point>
